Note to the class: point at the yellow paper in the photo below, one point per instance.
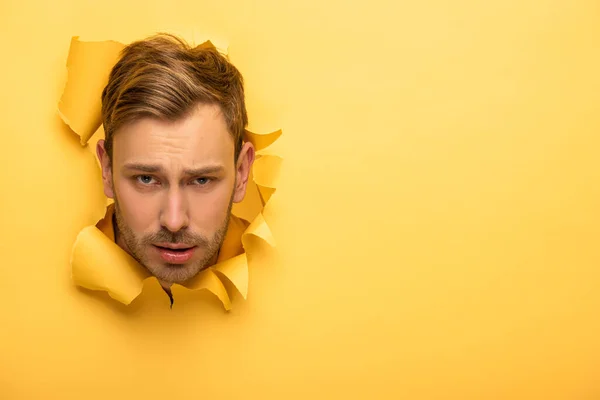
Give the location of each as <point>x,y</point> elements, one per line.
<point>96,266</point>
<point>262,140</point>
<point>437,217</point>
<point>260,229</point>
<point>88,65</point>
<point>207,280</point>
<point>236,271</point>
<point>266,172</point>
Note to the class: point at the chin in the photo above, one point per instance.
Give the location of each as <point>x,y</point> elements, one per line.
<point>175,273</point>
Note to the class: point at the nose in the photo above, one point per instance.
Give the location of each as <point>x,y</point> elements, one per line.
<point>174,215</point>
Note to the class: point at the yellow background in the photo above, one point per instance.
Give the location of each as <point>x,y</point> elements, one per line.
<point>437,220</point>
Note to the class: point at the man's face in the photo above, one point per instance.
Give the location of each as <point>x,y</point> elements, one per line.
<point>174,184</point>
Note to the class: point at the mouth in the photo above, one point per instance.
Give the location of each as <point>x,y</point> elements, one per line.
<point>175,253</point>
<point>173,246</point>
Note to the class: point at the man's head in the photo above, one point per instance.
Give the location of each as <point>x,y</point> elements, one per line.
<point>173,158</point>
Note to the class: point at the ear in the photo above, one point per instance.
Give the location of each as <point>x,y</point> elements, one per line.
<point>243,166</point>
<point>107,178</point>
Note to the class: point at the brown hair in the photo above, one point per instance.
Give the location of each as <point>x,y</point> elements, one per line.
<point>163,77</point>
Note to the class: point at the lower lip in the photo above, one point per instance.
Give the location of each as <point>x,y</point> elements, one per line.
<point>174,256</point>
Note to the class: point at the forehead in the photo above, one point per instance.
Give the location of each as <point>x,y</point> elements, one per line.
<point>199,138</point>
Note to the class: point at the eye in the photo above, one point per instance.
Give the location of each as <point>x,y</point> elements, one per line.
<point>145,179</point>
<point>202,181</point>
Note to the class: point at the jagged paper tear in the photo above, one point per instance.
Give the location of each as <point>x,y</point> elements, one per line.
<point>88,65</point>
<point>95,263</point>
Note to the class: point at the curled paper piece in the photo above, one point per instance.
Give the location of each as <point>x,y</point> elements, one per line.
<point>208,280</point>
<point>96,266</point>
<point>234,270</point>
<point>262,140</point>
<point>260,229</point>
<point>266,174</point>
<point>97,262</point>
<point>88,65</point>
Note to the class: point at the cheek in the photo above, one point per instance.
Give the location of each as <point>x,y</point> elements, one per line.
<point>139,211</point>
<point>209,209</point>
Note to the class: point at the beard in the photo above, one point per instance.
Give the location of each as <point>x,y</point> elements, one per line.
<point>137,247</point>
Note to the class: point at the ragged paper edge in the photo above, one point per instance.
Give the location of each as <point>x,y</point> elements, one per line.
<point>265,175</point>
<point>110,50</point>
<point>265,172</point>
<point>125,294</point>
<point>210,281</point>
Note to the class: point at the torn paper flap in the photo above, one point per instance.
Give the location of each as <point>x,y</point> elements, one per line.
<point>208,280</point>
<point>97,266</point>
<point>262,140</point>
<point>236,271</point>
<point>259,228</point>
<point>89,65</point>
<point>265,194</point>
<point>266,170</point>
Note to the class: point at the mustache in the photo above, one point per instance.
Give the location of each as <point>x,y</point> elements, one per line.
<point>180,237</point>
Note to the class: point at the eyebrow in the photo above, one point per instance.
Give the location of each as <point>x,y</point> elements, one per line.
<point>152,168</point>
